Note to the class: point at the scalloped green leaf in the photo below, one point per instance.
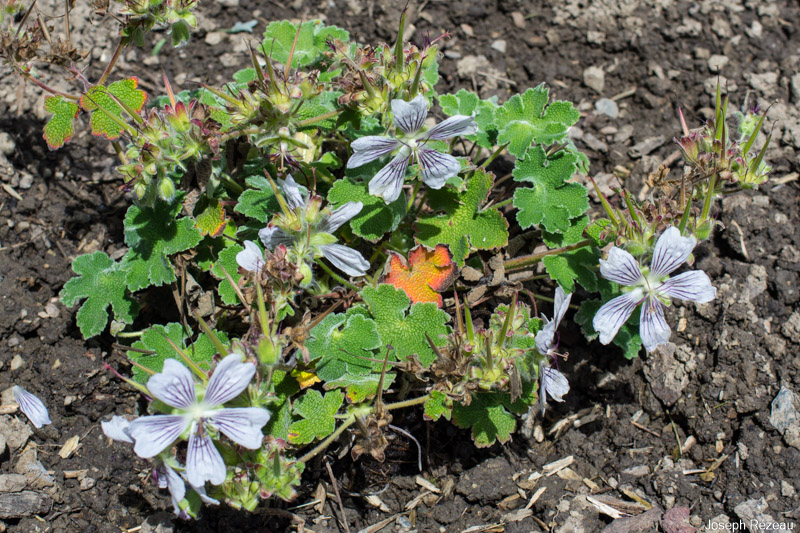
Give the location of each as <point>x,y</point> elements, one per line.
<point>153,234</point>
<point>279,37</point>
<point>59,129</point>
<point>259,201</point>
<point>488,417</point>
<point>284,387</point>
<point>468,103</point>
<point>526,119</point>
<point>227,260</point>
<point>376,217</point>
<point>101,282</point>
<point>360,388</point>
<point>465,226</point>
<point>106,112</point>
<point>402,328</point>
<point>551,202</point>
<point>438,405</point>
<point>317,415</point>
<point>343,346</point>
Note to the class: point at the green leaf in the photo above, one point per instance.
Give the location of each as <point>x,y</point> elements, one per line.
<point>320,104</point>
<point>343,344</point>
<point>258,202</point>
<point>59,129</point>
<point>227,260</point>
<point>468,103</point>
<point>628,337</point>
<point>284,388</point>
<point>106,112</point>
<point>317,413</point>
<point>551,202</point>
<point>359,388</point>
<point>569,267</point>
<point>488,417</point>
<point>154,339</point>
<point>209,216</point>
<point>376,217</point>
<point>153,234</point>
<point>404,329</point>
<point>437,406</point>
<point>311,42</point>
<point>102,282</point>
<point>465,226</point>
<point>523,120</point>
<point>601,231</point>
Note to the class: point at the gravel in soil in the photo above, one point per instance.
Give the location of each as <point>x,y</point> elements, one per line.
<point>724,396</point>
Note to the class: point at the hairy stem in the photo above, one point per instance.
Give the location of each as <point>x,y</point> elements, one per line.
<point>107,72</point>
<point>319,118</point>
<point>336,276</point>
<point>319,448</point>
<point>532,259</point>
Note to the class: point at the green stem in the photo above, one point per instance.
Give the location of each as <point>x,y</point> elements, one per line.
<point>407,403</point>
<point>107,72</point>
<point>320,118</point>
<point>532,259</point>
<point>494,155</point>
<point>239,133</point>
<point>709,195</point>
<point>336,276</point>
<point>129,334</point>
<point>319,448</point>
<point>414,193</point>
<point>504,203</point>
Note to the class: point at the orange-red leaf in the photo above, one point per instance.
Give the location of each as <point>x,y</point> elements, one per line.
<point>427,272</point>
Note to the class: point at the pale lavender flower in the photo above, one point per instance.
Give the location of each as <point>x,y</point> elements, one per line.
<point>251,258</point>
<point>553,382</point>
<point>32,406</point>
<point>175,387</point>
<point>117,429</point>
<point>316,239</point>
<point>435,167</point>
<point>653,288</point>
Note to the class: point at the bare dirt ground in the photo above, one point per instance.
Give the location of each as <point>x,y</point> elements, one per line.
<point>695,427</point>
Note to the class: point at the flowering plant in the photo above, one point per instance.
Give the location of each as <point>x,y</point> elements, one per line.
<point>245,190</point>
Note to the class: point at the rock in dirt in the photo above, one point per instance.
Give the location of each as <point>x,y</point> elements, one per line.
<point>15,431</point>
<point>784,411</point>
<point>754,510</point>
<point>580,519</point>
<point>607,107</point>
<point>665,373</point>
<point>158,523</point>
<point>26,503</point>
<point>796,88</point>
<point>595,79</point>
<point>36,474</point>
<point>7,145</point>
<point>12,482</point>
<point>488,482</point>
<point>676,520</point>
<point>646,146</point>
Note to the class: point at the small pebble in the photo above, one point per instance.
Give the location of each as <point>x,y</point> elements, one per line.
<point>499,45</point>
<point>594,78</point>
<point>717,62</point>
<point>608,107</point>
<point>26,182</point>
<point>17,362</point>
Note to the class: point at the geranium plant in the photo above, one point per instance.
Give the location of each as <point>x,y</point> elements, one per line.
<point>326,199</point>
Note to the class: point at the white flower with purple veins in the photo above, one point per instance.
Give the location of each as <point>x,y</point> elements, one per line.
<point>32,406</point>
<point>435,167</point>
<point>313,241</point>
<point>251,258</point>
<point>652,287</point>
<point>553,382</point>
<point>200,417</point>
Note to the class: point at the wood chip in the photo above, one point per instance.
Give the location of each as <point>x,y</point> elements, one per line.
<point>374,528</point>
<point>69,447</point>
<point>604,508</point>
<point>519,20</point>
<point>535,497</point>
<point>416,501</point>
<point>75,474</point>
<point>551,468</point>
<point>374,501</point>
<point>425,484</point>
<point>517,516</point>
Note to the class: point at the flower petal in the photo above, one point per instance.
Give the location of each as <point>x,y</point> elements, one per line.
<point>174,385</point>
<point>452,127</point>
<point>694,286</point>
<point>345,259</point>
<point>117,429</point>
<point>545,338</point>
<point>561,305</point>
<point>201,491</point>
<point>369,148</point>
<point>410,116</point>
<point>436,168</point>
<point>653,329</point>
<point>176,486</point>
<point>388,182</point>
<point>671,251</point>
<point>32,406</point>
<point>614,314</point>
<point>340,215</point>
<point>242,425</point>
<point>153,434</point>
<point>553,383</point>
<point>203,461</point>
<point>229,379</point>
<point>291,191</point>
<point>273,236</point>
<point>251,258</point>
<point>620,267</point>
